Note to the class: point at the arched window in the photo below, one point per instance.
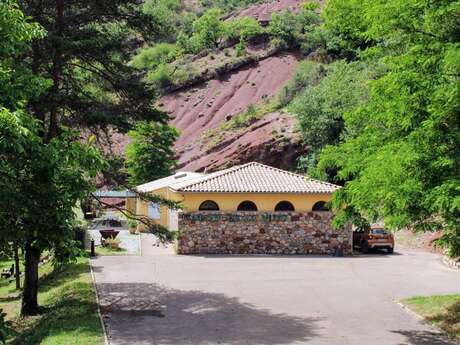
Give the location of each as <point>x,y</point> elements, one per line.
<point>284,206</point>
<point>247,206</point>
<point>208,205</point>
<point>320,206</point>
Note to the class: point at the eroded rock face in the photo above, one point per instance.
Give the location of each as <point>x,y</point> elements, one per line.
<point>203,108</point>
<point>271,140</point>
<point>261,233</point>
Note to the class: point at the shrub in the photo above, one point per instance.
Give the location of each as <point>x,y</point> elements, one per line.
<point>307,74</point>
<point>161,77</point>
<point>243,29</point>
<point>207,30</point>
<point>5,327</point>
<point>150,58</point>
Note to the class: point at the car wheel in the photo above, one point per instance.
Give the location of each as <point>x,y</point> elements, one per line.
<point>390,250</point>
<point>365,248</point>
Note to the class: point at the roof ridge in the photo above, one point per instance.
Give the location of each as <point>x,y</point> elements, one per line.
<point>211,176</point>
<point>292,173</point>
<point>219,174</point>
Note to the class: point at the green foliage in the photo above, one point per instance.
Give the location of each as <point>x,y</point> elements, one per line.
<point>151,58</point>
<point>307,74</point>
<point>286,26</point>
<point>208,30</point>
<point>150,155</point>
<point>243,28</point>
<point>42,181</point>
<point>16,32</point>
<point>5,327</point>
<point>401,156</point>
<point>85,56</point>
<point>346,23</point>
<point>297,29</point>
<point>321,107</point>
<point>165,15</point>
<point>160,77</point>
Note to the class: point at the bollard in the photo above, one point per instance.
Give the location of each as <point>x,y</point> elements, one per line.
<point>93,252</point>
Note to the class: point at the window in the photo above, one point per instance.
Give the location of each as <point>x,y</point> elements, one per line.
<point>284,206</point>
<point>154,211</point>
<point>320,206</point>
<point>209,205</point>
<point>247,206</point>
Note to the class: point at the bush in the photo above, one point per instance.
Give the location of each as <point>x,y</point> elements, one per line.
<point>321,107</point>
<point>307,74</point>
<point>244,29</point>
<point>5,327</point>
<point>207,30</point>
<point>286,26</point>
<point>150,58</point>
<point>160,77</point>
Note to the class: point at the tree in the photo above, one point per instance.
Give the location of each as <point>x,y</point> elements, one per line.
<point>17,84</point>
<point>85,55</point>
<point>320,108</point>
<point>84,60</point>
<point>208,30</point>
<point>150,155</point>
<point>401,157</point>
<point>41,183</point>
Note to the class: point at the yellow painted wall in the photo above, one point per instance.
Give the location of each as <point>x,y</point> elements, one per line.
<point>264,202</point>
<point>229,201</point>
<point>142,206</point>
<point>131,205</point>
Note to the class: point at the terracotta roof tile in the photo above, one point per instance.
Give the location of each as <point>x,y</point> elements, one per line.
<point>256,178</point>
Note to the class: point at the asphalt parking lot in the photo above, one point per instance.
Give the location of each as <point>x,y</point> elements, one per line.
<point>161,298</point>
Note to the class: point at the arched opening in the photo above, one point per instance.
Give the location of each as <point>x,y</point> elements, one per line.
<point>247,206</point>
<point>320,206</point>
<point>284,206</point>
<point>208,205</point>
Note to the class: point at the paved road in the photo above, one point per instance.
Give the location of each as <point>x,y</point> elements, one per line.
<point>161,298</point>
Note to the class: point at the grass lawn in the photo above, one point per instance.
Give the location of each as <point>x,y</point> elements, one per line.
<point>442,311</point>
<point>100,250</point>
<point>69,310</point>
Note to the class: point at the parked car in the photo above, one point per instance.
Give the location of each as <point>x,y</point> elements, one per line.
<point>375,237</point>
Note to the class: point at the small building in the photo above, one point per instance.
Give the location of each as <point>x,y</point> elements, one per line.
<point>250,208</point>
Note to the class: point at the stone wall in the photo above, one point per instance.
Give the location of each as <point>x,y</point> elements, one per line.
<point>261,233</point>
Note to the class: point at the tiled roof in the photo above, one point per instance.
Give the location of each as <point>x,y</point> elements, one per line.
<point>256,178</point>
<point>168,181</point>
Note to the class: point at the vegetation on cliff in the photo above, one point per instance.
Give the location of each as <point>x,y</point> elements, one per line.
<point>384,121</point>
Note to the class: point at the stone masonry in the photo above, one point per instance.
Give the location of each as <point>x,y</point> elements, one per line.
<point>261,233</point>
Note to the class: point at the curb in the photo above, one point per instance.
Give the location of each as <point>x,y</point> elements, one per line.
<point>411,312</point>
<point>104,330</point>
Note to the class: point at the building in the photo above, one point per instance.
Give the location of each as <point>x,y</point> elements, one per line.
<point>250,208</point>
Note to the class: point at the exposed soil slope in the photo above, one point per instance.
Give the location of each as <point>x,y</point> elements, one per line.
<point>201,108</point>
<point>215,97</point>
<point>264,10</point>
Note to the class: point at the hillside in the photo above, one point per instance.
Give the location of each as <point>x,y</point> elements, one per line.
<point>205,107</point>
<point>220,86</point>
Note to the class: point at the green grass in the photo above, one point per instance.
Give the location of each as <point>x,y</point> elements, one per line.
<point>69,311</point>
<point>100,250</point>
<point>443,311</point>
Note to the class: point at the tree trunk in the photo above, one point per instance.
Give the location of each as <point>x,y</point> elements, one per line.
<point>30,293</point>
<point>17,271</point>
